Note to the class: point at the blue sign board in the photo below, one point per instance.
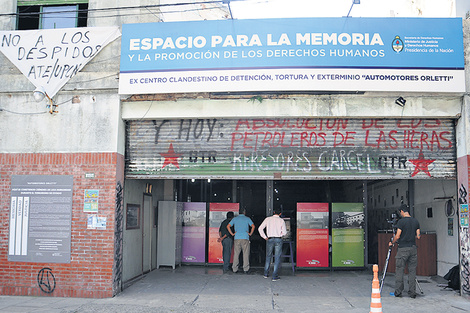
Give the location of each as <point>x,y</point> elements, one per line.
<point>369,54</point>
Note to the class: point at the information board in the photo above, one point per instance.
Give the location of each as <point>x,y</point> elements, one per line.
<point>312,235</point>
<point>217,214</point>
<point>347,234</point>
<point>40,218</point>
<point>194,232</point>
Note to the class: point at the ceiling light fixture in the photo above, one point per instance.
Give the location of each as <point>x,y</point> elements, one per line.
<point>400,101</point>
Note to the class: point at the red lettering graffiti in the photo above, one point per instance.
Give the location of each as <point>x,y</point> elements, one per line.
<point>299,123</point>
<point>376,123</point>
<point>413,134</point>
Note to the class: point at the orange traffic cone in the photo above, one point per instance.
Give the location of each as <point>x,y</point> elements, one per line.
<point>375,303</point>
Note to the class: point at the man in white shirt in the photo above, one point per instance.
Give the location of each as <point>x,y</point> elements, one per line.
<point>275,229</point>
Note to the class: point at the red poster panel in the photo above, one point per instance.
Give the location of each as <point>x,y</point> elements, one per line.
<point>217,214</point>
<point>312,235</point>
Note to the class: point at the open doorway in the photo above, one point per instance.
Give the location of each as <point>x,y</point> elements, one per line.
<point>260,197</point>
<point>251,194</point>
<point>380,197</point>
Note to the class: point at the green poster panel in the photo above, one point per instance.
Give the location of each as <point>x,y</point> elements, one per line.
<point>347,234</point>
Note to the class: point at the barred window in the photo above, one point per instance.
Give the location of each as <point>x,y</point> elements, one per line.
<point>49,14</point>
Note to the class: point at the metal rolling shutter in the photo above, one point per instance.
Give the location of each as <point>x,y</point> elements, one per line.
<point>291,148</point>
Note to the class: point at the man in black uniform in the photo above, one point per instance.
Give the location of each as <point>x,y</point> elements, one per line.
<point>227,241</point>
<point>407,232</point>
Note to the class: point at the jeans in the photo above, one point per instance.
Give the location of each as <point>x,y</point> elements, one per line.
<point>227,245</point>
<point>406,255</point>
<point>276,245</point>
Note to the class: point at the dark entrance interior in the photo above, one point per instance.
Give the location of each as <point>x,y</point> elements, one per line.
<point>253,196</point>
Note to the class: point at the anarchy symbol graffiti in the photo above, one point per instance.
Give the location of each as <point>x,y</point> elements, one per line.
<point>462,194</point>
<point>46,280</point>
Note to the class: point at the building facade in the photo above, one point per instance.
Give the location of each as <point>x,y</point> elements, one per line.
<point>93,159</point>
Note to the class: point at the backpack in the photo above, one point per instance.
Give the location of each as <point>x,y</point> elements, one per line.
<point>453,278</point>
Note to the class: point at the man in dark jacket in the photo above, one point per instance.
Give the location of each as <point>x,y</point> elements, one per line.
<point>227,241</point>
<point>407,253</point>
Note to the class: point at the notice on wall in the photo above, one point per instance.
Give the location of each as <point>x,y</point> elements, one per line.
<point>450,226</point>
<point>50,57</point>
<point>464,215</point>
<point>217,214</point>
<point>312,235</point>
<point>40,218</point>
<point>194,232</point>
<point>96,222</point>
<point>347,234</point>
<point>90,201</point>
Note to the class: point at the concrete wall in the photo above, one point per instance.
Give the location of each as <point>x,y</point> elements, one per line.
<point>380,194</point>
<point>118,16</point>
<point>132,238</point>
<point>193,12</point>
<point>368,105</point>
<point>463,167</point>
<point>92,125</point>
<point>8,22</point>
<point>463,142</point>
<point>426,194</point>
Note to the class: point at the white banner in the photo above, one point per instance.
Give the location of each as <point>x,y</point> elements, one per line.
<point>406,80</point>
<point>50,57</point>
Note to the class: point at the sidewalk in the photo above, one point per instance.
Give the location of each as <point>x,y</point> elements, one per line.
<point>194,289</point>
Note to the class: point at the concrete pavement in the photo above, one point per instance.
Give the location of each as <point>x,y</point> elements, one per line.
<point>194,289</point>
